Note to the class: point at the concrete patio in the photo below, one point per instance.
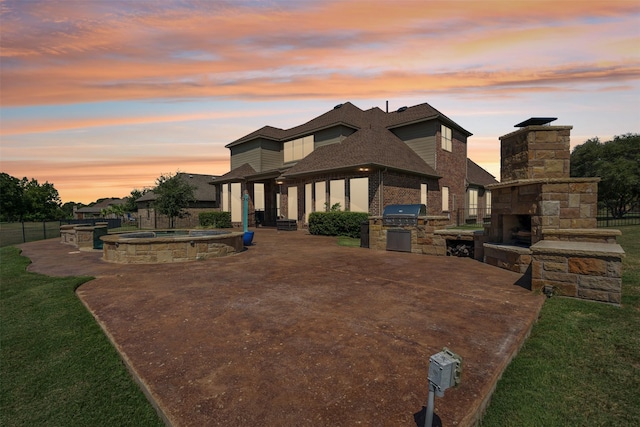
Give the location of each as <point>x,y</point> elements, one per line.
<point>299,331</point>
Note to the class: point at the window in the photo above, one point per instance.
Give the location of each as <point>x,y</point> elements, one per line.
<point>359,194</point>
<point>336,193</point>
<point>445,136</point>
<point>258,196</point>
<point>321,196</point>
<point>298,148</point>
<point>236,202</point>
<point>292,203</point>
<point>224,196</point>
<point>445,199</point>
<point>308,201</point>
<point>423,194</point>
<point>487,202</point>
<point>473,202</point>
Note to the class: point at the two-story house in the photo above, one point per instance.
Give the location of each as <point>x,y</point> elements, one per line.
<point>358,160</point>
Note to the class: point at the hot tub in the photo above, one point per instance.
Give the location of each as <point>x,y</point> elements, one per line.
<point>160,247</point>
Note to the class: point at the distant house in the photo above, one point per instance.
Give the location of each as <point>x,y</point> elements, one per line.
<point>478,207</point>
<point>206,200</point>
<point>362,160</point>
<point>95,211</point>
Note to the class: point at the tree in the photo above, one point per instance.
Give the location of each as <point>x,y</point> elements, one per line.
<point>42,201</point>
<point>11,198</point>
<point>617,163</point>
<point>130,204</point>
<point>173,195</point>
<point>27,200</point>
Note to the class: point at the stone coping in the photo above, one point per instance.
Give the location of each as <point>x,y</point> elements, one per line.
<point>113,238</point>
<point>508,248</point>
<point>560,247</point>
<point>523,182</point>
<point>455,232</point>
<point>527,129</point>
<point>584,232</point>
<point>377,217</point>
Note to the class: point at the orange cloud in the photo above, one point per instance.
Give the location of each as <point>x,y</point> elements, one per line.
<point>85,182</point>
<point>99,52</point>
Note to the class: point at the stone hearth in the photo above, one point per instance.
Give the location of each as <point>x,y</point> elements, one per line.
<point>542,220</point>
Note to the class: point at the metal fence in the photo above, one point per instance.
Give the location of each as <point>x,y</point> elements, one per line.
<point>604,220</point>
<point>479,217</point>
<point>14,233</point>
<point>473,216</point>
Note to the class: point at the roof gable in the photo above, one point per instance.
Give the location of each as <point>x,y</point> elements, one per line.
<point>375,146</point>
<point>476,175</point>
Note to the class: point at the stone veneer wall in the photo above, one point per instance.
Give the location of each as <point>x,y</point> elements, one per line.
<point>423,239</point>
<point>578,269</point>
<point>161,250</point>
<point>556,203</point>
<point>535,152</point>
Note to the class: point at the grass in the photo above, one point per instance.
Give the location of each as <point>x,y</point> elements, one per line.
<point>57,368</point>
<point>581,364</point>
<point>348,241</point>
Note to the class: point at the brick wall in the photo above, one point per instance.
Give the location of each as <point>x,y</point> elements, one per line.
<point>452,167</point>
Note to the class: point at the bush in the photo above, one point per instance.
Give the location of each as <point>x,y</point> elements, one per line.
<point>337,223</point>
<point>215,219</point>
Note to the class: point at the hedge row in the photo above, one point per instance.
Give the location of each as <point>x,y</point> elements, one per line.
<point>215,219</point>
<point>337,223</point>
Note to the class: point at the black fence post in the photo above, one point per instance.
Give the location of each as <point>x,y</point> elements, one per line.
<point>24,236</point>
<point>44,230</point>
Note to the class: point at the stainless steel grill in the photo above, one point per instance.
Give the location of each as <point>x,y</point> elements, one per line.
<point>402,215</point>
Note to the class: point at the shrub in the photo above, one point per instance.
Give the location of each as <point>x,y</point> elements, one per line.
<point>337,223</point>
<point>215,219</point>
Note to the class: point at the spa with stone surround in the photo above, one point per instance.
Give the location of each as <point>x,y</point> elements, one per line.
<point>159,248</point>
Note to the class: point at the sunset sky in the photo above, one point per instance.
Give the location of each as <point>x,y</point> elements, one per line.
<point>101,97</point>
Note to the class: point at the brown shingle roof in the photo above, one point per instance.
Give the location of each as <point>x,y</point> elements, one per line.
<point>373,146</point>
<point>349,115</point>
<point>238,173</point>
<point>204,192</point>
<point>476,175</point>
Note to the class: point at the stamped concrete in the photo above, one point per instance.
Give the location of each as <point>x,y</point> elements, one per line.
<point>299,331</point>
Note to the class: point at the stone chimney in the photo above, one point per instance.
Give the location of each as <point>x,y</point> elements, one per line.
<point>535,151</point>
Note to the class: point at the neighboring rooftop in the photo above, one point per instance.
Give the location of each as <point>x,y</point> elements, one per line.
<point>476,175</point>
<point>204,192</point>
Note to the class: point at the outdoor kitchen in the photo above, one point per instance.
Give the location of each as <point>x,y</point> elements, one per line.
<point>543,223</point>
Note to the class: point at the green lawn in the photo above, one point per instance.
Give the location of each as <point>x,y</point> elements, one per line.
<point>581,364</point>
<point>57,368</point>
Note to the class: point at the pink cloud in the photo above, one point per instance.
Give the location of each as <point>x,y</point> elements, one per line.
<point>98,52</point>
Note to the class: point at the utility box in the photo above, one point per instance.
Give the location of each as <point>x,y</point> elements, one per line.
<point>444,370</point>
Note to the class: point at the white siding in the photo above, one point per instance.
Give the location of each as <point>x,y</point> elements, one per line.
<point>359,194</point>
<point>236,202</point>
<point>292,203</point>
<point>336,193</point>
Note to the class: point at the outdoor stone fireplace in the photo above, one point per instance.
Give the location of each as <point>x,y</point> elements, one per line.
<point>542,220</point>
